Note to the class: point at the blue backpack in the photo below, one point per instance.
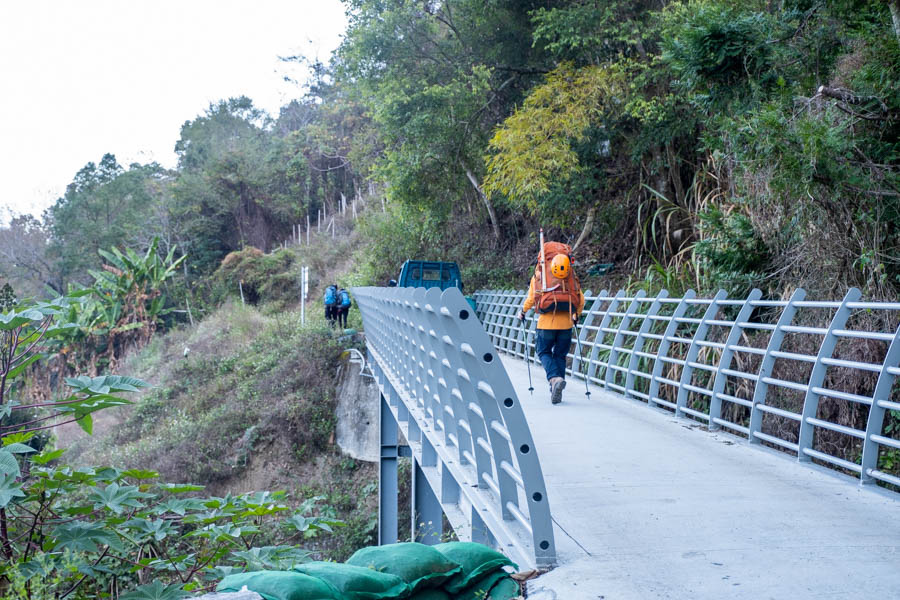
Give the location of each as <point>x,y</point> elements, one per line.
<point>345,299</point>
<point>331,295</point>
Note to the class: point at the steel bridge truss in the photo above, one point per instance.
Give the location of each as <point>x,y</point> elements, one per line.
<point>444,388</point>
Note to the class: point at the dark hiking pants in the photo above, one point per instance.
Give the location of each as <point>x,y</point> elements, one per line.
<point>331,314</point>
<point>552,346</point>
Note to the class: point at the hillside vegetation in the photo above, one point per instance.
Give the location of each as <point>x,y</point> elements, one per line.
<point>240,403</point>
<point>222,460</point>
<point>700,143</point>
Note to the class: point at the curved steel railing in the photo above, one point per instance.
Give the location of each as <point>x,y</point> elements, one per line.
<point>454,402</point>
<point>747,365</point>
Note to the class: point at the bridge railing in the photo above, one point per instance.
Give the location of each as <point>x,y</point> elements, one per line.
<point>814,378</point>
<point>448,391</point>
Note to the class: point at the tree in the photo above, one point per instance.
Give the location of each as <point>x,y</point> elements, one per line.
<point>534,150</point>
<point>220,201</point>
<point>23,248</point>
<point>105,205</point>
<point>437,77</point>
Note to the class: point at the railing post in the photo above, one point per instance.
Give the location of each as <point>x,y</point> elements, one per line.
<point>503,316</point>
<point>768,362</point>
<point>499,308</point>
<point>646,325</point>
<point>880,396</point>
<point>694,349</point>
<point>502,312</point>
<point>487,309</point>
<point>817,376</point>
<point>593,364</point>
<point>511,322</point>
<point>520,347</point>
<point>718,387</point>
<point>578,349</point>
<point>664,343</point>
<point>482,304</point>
<point>588,321</point>
<point>491,315</point>
<point>623,326</point>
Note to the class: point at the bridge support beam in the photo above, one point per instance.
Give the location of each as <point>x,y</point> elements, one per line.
<point>427,514</point>
<point>387,477</point>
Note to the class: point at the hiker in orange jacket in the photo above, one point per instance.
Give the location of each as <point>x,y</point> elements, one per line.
<point>559,303</point>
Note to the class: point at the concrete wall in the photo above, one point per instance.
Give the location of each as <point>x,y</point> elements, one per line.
<point>357,414</point>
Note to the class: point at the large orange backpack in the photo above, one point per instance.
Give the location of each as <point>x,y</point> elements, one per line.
<point>561,294</point>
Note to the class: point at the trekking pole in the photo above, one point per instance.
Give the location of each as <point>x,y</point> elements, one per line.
<point>527,358</point>
<point>587,391</point>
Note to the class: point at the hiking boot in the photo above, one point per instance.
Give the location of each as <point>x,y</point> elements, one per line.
<point>556,389</point>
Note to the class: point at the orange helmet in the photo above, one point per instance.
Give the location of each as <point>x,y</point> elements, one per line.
<point>560,266</point>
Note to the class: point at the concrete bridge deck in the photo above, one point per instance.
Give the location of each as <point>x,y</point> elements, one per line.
<point>649,506</point>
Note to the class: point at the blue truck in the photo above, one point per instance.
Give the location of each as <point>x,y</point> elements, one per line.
<point>432,273</point>
<point>429,274</point>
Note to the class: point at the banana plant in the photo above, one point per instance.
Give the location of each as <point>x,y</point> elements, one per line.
<point>129,287</point>
<point>25,334</point>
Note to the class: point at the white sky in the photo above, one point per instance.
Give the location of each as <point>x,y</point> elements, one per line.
<point>82,78</point>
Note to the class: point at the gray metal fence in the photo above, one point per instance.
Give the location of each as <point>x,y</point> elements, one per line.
<point>448,392</point>
<point>799,375</point>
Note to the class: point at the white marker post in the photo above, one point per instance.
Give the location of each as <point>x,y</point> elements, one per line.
<point>304,292</point>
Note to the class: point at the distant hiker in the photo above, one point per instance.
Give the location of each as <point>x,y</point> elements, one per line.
<point>331,304</point>
<point>344,304</point>
<point>555,294</point>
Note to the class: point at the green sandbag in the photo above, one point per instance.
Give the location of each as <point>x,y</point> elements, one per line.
<point>505,589</point>
<point>357,583</point>
<point>433,594</point>
<point>496,586</point>
<point>280,585</point>
<point>476,560</point>
<point>420,566</point>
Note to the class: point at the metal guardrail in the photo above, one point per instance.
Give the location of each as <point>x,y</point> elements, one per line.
<point>745,365</point>
<point>447,390</point>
